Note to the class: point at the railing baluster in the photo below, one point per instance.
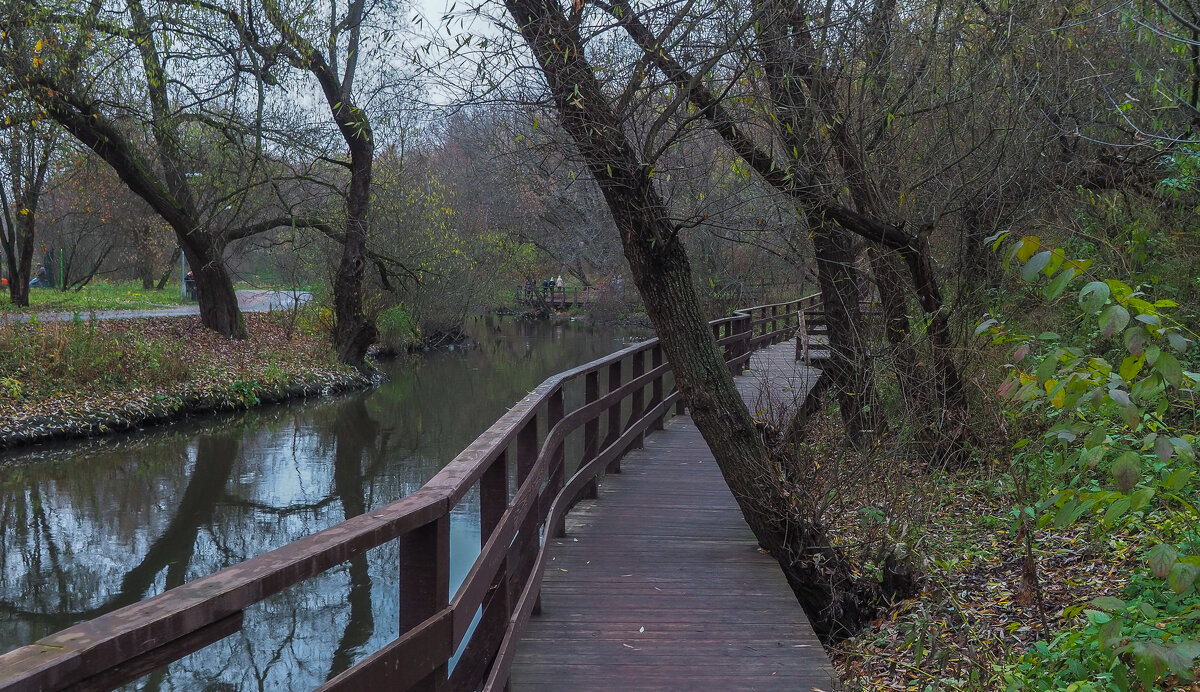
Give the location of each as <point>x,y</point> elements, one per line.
<point>524,550</point>
<point>425,584</point>
<point>639,400</point>
<point>493,501</point>
<point>591,431</point>
<point>656,393</point>
<point>614,415</point>
<point>555,410</point>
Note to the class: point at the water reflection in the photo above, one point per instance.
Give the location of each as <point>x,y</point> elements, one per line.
<point>89,527</point>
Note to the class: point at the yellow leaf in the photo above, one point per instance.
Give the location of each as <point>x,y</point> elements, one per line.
<point>1029,245</point>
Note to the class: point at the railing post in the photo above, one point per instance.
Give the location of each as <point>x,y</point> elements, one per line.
<point>717,330</point>
<point>614,415</point>
<point>656,393</point>
<point>497,606</point>
<point>425,584</point>
<point>747,332</point>
<point>591,432</point>
<point>555,411</point>
<point>524,550</point>
<point>638,406</point>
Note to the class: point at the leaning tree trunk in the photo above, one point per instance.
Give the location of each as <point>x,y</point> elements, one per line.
<point>662,274</point>
<point>849,369</point>
<point>214,286</point>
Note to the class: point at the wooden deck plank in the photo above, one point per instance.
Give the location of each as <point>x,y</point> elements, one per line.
<point>659,584</point>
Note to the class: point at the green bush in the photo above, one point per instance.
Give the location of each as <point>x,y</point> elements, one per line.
<point>397,330</point>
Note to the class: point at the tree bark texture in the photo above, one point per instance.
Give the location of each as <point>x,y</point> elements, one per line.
<point>204,250</point>
<point>662,274</point>
<point>911,374</point>
<point>27,166</point>
<point>354,331</point>
<point>797,100</point>
<point>799,184</point>
<point>19,256</point>
<point>851,372</point>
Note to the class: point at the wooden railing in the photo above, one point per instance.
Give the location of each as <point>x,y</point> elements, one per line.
<point>503,583</point>
<point>557,296</point>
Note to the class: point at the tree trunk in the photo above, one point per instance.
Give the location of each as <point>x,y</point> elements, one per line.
<point>661,271</point>
<point>354,331</point>
<point>214,286</point>
<point>852,374</point>
<point>21,271</point>
<point>911,374</point>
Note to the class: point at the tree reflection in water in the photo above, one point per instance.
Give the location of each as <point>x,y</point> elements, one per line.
<point>92,526</point>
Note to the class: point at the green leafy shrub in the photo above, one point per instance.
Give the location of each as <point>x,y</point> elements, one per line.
<point>1116,408</point>
<point>397,330</point>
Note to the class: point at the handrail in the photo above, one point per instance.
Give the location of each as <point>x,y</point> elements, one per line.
<point>504,581</point>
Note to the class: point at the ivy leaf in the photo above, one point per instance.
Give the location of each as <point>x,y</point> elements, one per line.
<point>1059,284</point>
<point>1135,340</point>
<point>1182,576</point>
<point>1093,296</point>
<point>1127,471</point>
<point>1163,448</point>
<point>1113,320</point>
<point>1162,559</point>
<point>1178,342</point>
<point>1131,366</point>
<point>1035,265</point>
<point>1168,366</point>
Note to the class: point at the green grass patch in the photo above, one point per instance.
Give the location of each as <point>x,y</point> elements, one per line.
<point>96,296</point>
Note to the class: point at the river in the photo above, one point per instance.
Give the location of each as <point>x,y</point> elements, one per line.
<point>91,526</point>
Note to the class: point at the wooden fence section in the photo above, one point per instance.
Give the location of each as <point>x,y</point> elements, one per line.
<point>660,585</point>
<point>557,298</point>
<point>504,580</point>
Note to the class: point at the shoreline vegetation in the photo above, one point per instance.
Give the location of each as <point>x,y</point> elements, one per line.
<point>86,377</point>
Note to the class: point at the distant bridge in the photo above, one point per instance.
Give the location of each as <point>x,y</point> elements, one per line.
<point>557,298</point>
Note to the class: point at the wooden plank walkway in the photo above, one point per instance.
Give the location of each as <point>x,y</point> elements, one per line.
<point>659,584</point>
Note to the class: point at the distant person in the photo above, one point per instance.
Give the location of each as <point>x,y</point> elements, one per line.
<point>558,284</point>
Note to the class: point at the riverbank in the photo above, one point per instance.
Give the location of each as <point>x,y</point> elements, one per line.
<point>90,377</point>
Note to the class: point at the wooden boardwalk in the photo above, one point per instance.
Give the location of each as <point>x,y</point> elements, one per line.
<point>659,584</point>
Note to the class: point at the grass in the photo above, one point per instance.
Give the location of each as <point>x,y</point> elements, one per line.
<point>87,376</point>
<point>96,296</point>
